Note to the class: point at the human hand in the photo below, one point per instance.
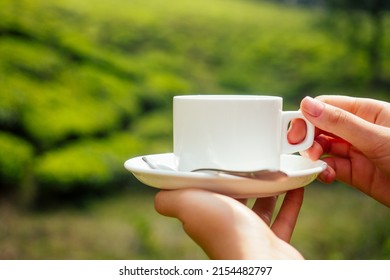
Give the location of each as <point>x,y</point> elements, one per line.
<point>354,134</point>
<point>225,228</point>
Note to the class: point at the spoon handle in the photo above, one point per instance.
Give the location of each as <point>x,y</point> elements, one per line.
<point>266,175</point>
<point>155,165</point>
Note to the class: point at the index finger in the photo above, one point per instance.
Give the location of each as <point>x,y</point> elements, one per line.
<point>359,132</point>
<point>365,108</point>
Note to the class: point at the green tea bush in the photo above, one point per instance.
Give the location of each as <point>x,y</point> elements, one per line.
<point>83,104</point>
<point>88,163</point>
<point>15,161</point>
<point>34,60</point>
<point>155,127</point>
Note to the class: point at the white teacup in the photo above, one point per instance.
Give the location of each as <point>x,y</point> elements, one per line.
<point>233,132</point>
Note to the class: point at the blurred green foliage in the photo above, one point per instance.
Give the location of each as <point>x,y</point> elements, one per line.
<point>86,85</point>
<point>18,157</point>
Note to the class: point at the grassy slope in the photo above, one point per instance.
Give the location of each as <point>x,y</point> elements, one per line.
<point>335,223</point>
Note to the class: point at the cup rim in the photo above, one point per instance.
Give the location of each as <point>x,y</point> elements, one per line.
<point>226,97</point>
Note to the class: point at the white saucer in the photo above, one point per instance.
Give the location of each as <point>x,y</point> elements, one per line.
<point>301,172</point>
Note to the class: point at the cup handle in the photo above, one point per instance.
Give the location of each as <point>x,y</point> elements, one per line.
<point>287,148</point>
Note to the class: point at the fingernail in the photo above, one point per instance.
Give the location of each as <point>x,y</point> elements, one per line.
<point>325,176</point>
<point>312,106</point>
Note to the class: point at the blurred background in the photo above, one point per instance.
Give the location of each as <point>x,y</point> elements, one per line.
<point>85,85</point>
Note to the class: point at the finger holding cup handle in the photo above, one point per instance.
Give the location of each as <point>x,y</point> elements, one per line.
<point>307,142</point>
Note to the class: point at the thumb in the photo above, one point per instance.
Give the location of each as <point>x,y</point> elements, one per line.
<point>357,131</point>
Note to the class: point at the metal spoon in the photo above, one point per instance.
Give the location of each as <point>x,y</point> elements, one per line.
<point>265,175</point>
<point>155,165</point>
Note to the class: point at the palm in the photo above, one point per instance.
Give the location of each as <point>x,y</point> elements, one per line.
<point>226,229</point>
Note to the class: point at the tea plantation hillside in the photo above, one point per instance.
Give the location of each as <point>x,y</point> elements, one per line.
<point>87,84</point>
